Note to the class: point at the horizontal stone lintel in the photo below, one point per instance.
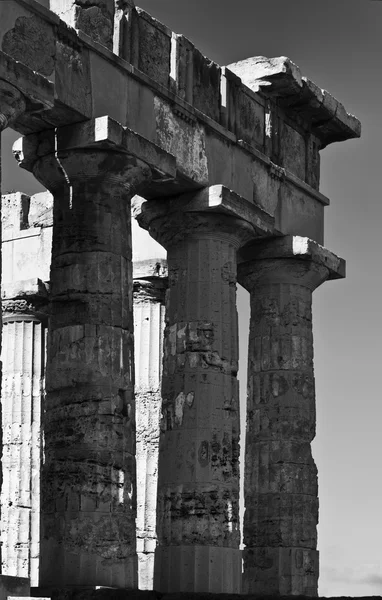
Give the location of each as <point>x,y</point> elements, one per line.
<point>293,246</point>
<point>62,110</point>
<point>24,288</point>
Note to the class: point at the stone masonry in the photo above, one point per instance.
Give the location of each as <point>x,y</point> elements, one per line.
<point>226,165</point>
<point>150,285</point>
<point>26,252</point>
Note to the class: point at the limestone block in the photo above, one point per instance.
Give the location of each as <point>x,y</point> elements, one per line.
<point>313,162</point>
<point>27,236</point>
<point>206,85</point>
<point>292,150</point>
<point>186,141</point>
<point>197,79</point>
<point>73,84</point>
<point>28,38</point>
<point>250,126</point>
<point>95,18</point>
<point>151,47</point>
<point>300,214</point>
<point>277,75</point>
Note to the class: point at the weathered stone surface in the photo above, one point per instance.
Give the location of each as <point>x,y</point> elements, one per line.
<point>89,474</point>
<point>150,284</point>
<point>12,104</point>
<point>93,17</point>
<point>22,395</point>
<point>258,133</point>
<point>151,47</point>
<point>122,28</point>
<point>27,238</point>
<point>32,42</point>
<point>197,512</point>
<point>281,504</point>
<point>89,500</point>
<point>277,75</point>
<point>215,199</point>
<point>13,586</point>
<point>26,252</point>
<point>281,78</point>
<point>197,79</point>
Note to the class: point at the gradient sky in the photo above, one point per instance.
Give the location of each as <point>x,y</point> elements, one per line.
<point>337,44</point>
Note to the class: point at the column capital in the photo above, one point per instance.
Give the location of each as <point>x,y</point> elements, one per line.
<point>12,104</point>
<point>214,209</point>
<point>25,300</point>
<point>100,134</point>
<point>288,259</point>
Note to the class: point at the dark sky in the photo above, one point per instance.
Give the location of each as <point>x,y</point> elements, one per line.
<point>337,44</point>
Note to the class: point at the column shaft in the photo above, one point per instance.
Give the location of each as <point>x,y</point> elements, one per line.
<point>88,479</point>
<point>198,487</point>
<point>149,310</point>
<point>281,503</point>
<point>12,104</point>
<point>22,397</point>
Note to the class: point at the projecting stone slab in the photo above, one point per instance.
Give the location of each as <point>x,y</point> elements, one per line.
<point>278,76</point>
<point>281,78</point>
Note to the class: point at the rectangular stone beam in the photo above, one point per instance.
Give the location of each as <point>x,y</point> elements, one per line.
<point>263,144</point>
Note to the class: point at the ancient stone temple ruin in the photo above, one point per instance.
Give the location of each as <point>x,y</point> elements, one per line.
<point>120,400</point>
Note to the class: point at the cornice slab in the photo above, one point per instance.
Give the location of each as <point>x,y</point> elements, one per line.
<point>281,78</point>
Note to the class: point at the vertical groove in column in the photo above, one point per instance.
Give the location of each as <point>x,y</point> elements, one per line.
<point>280,486</point>
<point>198,488</point>
<point>148,331</point>
<point>22,395</point>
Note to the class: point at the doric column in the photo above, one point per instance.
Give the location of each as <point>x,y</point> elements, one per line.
<point>12,104</point>
<point>24,327</point>
<point>88,479</point>
<point>280,487</point>
<point>150,284</point>
<point>198,479</point>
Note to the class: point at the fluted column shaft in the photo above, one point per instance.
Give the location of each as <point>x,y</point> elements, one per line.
<point>12,104</point>
<point>149,311</point>
<point>198,479</point>
<point>22,401</point>
<point>280,487</point>
<point>88,479</point>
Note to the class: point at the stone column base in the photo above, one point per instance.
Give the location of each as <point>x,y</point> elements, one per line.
<point>191,568</point>
<point>280,571</point>
<point>14,586</point>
